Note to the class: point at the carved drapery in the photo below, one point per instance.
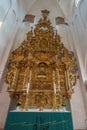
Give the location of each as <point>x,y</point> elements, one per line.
<point>41,71</point>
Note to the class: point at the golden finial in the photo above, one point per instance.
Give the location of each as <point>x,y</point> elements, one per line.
<point>45,13</point>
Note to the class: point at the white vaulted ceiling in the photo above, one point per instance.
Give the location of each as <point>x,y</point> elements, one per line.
<point>57,7</point>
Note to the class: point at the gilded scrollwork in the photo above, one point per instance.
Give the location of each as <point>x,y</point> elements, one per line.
<point>41,71</point>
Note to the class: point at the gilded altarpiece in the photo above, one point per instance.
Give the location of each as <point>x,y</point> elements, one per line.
<point>41,72</point>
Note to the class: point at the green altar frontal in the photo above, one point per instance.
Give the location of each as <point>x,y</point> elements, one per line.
<point>39,121</point>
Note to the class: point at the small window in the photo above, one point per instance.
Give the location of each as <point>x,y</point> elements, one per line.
<point>77,2</point>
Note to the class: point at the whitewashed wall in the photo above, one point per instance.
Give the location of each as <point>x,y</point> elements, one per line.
<point>83,15</point>
<point>8,29</point>
<point>9,18</point>
<point>80,27</point>
<point>79,99</point>
<point>78,108</point>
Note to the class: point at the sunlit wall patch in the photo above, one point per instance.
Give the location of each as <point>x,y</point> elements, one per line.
<point>77,2</point>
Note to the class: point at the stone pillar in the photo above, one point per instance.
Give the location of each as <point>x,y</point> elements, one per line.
<point>4,105</point>
<point>78,108</point>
